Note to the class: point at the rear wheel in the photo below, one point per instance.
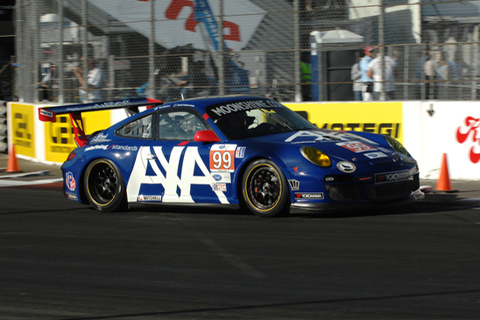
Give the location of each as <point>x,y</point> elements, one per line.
<point>104,186</point>
<point>265,190</point>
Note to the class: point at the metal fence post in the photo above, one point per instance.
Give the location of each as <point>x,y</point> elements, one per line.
<point>381,37</point>
<point>85,48</point>
<point>61,87</point>
<point>296,44</point>
<point>151,53</point>
<point>19,75</point>
<point>221,51</point>
<point>111,76</point>
<point>36,46</point>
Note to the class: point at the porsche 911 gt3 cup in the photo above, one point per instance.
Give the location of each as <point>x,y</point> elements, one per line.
<point>245,151</point>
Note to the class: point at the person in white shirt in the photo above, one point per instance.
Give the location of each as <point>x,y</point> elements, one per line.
<point>367,88</point>
<point>95,81</point>
<point>356,76</point>
<point>375,72</point>
<point>430,70</point>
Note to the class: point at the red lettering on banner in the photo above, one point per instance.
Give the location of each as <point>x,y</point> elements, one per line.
<point>472,125</point>
<point>234,28</point>
<point>176,6</point>
<point>174,9</point>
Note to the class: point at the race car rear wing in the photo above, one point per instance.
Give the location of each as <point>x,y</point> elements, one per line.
<point>75,111</point>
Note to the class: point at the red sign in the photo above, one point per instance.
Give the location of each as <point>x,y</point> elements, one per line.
<point>471,128</point>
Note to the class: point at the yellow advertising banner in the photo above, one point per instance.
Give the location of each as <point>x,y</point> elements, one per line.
<point>59,135</point>
<point>377,117</point>
<point>22,119</point>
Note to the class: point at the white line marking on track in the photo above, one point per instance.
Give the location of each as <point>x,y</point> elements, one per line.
<point>26,174</point>
<point>232,259</point>
<point>14,183</point>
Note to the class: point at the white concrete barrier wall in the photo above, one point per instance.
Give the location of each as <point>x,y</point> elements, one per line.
<point>434,128</point>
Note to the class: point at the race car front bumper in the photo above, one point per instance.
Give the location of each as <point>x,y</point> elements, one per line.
<point>316,207</point>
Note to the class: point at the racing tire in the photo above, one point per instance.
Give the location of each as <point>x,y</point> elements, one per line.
<point>265,189</point>
<point>104,186</point>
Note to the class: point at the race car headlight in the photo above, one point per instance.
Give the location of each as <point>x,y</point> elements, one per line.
<point>397,146</point>
<point>316,157</point>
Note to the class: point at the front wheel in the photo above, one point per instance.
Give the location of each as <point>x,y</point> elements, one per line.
<point>265,190</point>
<point>104,186</point>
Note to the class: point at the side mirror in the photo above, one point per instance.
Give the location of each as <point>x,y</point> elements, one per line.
<point>206,136</point>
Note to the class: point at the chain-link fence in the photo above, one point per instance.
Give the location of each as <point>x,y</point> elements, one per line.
<point>72,51</point>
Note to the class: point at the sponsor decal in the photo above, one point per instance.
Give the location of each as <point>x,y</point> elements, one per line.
<point>125,148</point>
<point>472,129</point>
<point>243,106</point>
<point>393,176</point>
<point>143,197</point>
<point>98,147</point>
<point>356,146</point>
<point>222,177</point>
<point>184,105</point>
<point>71,196</point>
<point>175,170</point>
<point>98,106</point>
<point>46,113</point>
<point>222,157</point>
<point>240,152</point>
<point>294,184</point>
<point>346,166</point>
<point>375,155</point>
<point>70,181</point>
<point>309,195</point>
<point>100,138</point>
<point>219,187</point>
<point>313,136</point>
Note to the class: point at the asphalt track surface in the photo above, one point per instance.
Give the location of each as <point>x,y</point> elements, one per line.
<point>63,260</point>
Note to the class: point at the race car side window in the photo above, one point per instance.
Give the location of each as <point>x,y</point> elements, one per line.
<point>179,125</point>
<point>138,128</point>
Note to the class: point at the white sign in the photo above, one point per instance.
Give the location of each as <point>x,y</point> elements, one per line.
<point>175,24</point>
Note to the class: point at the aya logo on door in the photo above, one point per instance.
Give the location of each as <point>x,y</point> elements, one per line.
<point>184,168</point>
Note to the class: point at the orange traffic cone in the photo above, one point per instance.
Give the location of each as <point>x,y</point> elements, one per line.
<point>443,183</point>
<point>12,165</point>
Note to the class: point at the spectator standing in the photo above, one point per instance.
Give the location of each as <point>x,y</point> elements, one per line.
<point>96,80</point>
<point>49,84</point>
<point>420,72</point>
<point>443,74</point>
<point>375,72</point>
<point>306,76</point>
<point>356,76</point>
<point>430,70</point>
<point>367,88</point>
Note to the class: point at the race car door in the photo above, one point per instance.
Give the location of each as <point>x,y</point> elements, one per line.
<point>178,169</point>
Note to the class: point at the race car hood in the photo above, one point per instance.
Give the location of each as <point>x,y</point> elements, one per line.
<point>342,145</point>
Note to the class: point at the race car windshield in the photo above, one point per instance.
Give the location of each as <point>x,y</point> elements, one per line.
<point>255,118</point>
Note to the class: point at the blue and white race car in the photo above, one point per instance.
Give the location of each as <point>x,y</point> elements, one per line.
<point>247,151</point>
